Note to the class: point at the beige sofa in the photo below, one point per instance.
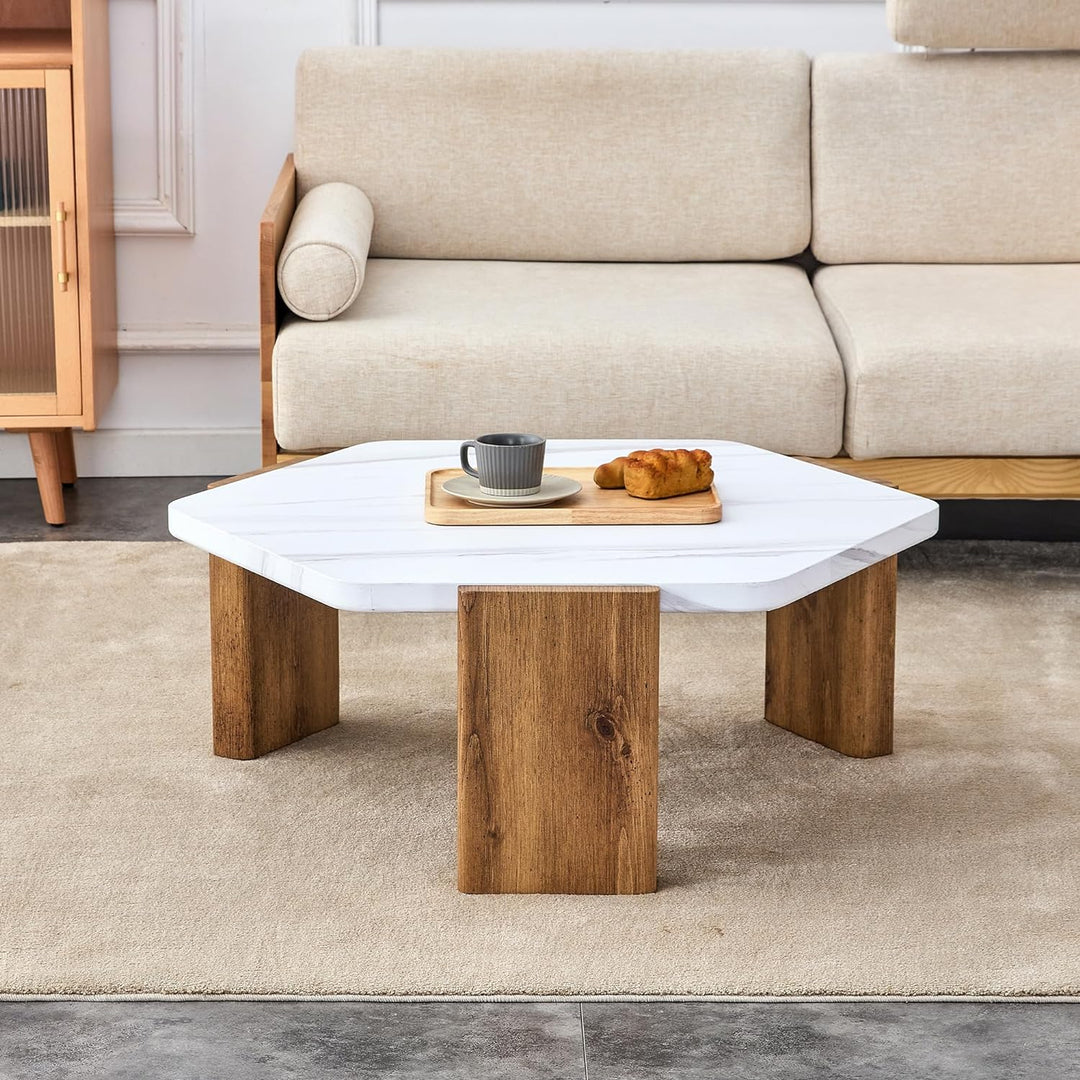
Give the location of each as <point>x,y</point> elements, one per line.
<point>609,244</point>
<point>947,207</point>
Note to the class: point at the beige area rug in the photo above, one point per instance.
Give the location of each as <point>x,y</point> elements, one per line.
<point>132,860</point>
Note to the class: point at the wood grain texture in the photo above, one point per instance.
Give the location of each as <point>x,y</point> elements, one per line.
<point>557,739</point>
<point>244,476</point>
<point>46,454</point>
<point>34,48</point>
<point>35,14</point>
<point>274,659</point>
<point>19,78</point>
<point>11,422</point>
<point>829,663</point>
<point>970,477</point>
<point>80,163</point>
<point>591,506</point>
<point>92,99</point>
<point>273,228</point>
<point>25,409</point>
<point>65,447</point>
<point>287,458</point>
<point>63,199</point>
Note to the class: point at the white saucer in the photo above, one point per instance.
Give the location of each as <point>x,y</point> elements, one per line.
<point>552,489</point>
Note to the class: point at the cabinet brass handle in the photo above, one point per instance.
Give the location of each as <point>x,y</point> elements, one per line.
<point>62,276</point>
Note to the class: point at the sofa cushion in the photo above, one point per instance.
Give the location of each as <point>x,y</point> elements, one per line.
<point>573,350</point>
<point>957,360</point>
<point>946,158</point>
<point>986,24</point>
<point>322,263</point>
<point>564,155</point>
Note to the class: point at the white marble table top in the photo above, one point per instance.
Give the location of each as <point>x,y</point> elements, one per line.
<point>348,529</point>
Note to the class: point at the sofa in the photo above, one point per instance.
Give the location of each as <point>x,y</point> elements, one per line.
<point>871,261</point>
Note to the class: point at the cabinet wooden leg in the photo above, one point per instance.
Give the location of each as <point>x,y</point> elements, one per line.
<point>46,455</point>
<point>274,658</point>
<point>65,445</point>
<point>829,663</point>
<point>557,739</point>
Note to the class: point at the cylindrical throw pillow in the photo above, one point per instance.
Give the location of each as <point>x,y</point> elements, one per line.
<point>322,264</point>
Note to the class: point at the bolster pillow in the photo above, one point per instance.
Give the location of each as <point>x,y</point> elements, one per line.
<point>322,263</point>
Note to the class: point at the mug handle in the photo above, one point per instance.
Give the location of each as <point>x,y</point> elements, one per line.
<point>465,458</point>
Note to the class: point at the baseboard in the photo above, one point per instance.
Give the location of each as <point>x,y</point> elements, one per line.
<point>149,452</point>
<point>188,338</point>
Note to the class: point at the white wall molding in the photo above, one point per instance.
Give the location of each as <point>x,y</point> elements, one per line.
<point>367,22</point>
<point>188,338</point>
<point>170,211</point>
<point>147,452</point>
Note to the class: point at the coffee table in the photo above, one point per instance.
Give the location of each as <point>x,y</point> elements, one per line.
<point>558,631</point>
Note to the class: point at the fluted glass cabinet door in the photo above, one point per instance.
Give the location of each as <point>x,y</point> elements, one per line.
<point>39,299</point>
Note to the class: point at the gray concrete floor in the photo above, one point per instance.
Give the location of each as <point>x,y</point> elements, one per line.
<point>207,1040</point>
<point>98,508</point>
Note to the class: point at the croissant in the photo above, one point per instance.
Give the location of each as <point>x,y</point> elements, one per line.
<point>661,474</point>
<point>610,474</point>
<point>657,474</point>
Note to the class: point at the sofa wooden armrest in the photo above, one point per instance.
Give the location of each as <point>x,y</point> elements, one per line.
<point>273,228</point>
<point>970,477</point>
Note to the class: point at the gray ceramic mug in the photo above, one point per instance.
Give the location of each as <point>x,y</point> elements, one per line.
<point>507,463</point>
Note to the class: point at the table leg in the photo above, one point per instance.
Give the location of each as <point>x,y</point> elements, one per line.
<point>557,739</point>
<point>274,657</point>
<point>829,663</point>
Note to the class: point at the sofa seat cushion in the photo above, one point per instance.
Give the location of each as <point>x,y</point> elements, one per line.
<point>437,349</point>
<point>957,360</point>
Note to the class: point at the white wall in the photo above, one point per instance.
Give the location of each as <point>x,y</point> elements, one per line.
<point>202,109</point>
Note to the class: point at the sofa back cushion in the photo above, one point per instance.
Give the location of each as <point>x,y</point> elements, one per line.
<point>986,24</point>
<point>948,158</point>
<point>564,155</point>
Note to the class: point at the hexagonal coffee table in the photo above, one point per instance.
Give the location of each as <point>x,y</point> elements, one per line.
<point>558,631</point>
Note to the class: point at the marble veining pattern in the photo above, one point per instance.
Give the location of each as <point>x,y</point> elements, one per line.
<point>347,529</point>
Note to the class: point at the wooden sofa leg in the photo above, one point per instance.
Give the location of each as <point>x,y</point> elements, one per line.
<point>45,450</point>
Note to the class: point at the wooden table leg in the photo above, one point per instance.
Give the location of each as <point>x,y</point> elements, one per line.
<point>46,454</point>
<point>274,657</point>
<point>829,663</point>
<point>557,739</point>
<point>65,445</point>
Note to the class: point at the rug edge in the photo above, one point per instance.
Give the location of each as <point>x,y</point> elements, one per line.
<point>761,999</point>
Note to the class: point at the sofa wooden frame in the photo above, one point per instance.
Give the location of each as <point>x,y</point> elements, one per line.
<point>934,477</point>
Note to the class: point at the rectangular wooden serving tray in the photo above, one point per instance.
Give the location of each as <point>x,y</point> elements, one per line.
<point>590,506</point>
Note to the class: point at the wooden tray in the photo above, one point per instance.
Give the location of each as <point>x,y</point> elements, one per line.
<point>591,506</point>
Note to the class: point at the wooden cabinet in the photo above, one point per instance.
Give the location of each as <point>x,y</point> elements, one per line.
<point>57,262</point>
<point>39,280</point>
